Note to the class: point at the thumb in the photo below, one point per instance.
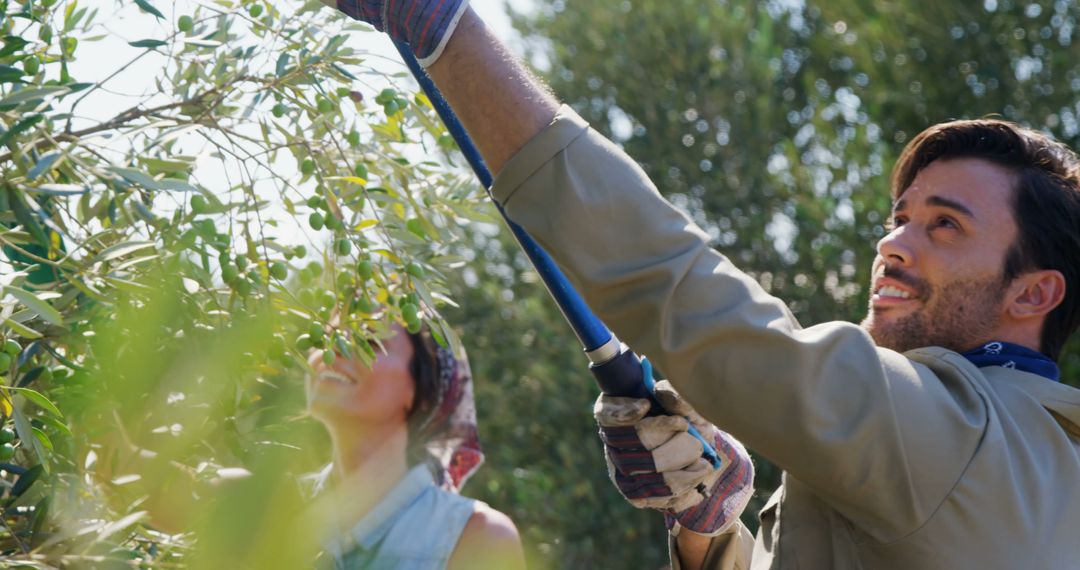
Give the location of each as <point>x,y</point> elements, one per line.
<point>673,403</point>
<point>615,411</point>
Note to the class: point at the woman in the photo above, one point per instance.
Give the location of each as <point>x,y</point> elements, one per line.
<point>404,440</point>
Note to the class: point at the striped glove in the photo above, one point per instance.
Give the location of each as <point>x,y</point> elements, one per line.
<point>655,463</point>
<point>426,25</point>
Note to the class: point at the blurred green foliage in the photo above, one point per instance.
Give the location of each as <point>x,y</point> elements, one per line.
<point>774,125</point>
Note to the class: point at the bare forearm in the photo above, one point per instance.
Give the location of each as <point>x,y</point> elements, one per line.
<point>692,548</point>
<point>499,102</point>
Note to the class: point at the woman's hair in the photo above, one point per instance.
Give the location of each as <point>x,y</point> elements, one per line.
<point>424,368</point>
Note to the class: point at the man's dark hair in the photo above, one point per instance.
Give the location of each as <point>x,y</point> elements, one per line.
<point>1045,202</point>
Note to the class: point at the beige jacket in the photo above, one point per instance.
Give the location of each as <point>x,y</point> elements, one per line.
<point>893,461</point>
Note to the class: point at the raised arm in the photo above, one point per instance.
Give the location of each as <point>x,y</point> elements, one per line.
<point>498,101</point>
<point>824,403</point>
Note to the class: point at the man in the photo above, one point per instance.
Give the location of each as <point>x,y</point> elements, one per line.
<point>934,436</point>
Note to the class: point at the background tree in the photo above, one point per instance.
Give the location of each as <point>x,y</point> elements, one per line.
<point>774,125</point>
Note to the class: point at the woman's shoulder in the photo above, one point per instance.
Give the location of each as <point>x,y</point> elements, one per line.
<point>489,540</point>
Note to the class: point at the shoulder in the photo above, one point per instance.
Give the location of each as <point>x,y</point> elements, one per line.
<point>489,540</point>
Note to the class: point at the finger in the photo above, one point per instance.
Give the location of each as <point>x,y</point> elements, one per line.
<point>670,399</point>
<point>683,481</point>
<point>614,411</point>
<point>655,431</point>
<point>674,403</point>
<point>679,452</point>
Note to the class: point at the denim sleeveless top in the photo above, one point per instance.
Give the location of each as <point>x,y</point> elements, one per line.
<point>416,527</point>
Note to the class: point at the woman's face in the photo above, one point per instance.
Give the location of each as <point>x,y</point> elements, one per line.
<point>350,391</point>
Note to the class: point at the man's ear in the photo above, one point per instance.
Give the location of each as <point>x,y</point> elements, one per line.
<point>1035,293</point>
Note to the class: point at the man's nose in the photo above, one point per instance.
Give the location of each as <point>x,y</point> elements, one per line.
<point>896,248</point>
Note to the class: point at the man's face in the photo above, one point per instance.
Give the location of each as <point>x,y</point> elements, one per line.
<point>937,277</point>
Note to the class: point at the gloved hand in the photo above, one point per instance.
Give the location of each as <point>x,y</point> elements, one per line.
<point>655,463</point>
<point>426,25</point>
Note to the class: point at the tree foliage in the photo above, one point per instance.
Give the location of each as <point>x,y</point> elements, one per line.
<point>160,300</point>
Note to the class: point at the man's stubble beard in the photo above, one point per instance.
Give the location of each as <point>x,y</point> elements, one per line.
<point>959,316</point>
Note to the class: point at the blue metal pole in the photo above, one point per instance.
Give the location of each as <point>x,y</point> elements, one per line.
<point>589,329</point>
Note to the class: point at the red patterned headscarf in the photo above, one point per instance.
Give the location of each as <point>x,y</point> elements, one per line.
<point>448,429</point>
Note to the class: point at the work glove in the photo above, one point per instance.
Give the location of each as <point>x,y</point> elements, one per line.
<point>426,25</point>
<point>656,463</point>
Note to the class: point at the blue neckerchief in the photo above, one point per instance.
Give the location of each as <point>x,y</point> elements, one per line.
<point>1010,355</point>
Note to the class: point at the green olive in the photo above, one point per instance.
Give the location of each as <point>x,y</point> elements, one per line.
<point>409,312</point>
<point>7,451</point>
<point>315,330</point>
<point>303,343</point>
<point>7,435</point>
<point>5,362</point>
<point>353,138</point>
<point>316,221</point>
<point>325,105</point>
<point>241,262</point>
<point>365,270</point>
<point>327,298</point>
<point>385,96</point>
<point>31,65</point>
<point>328,357</point>
<point>361,170</point>
<point>343,247</point>
<point>314,202</point>
<point>300,251</point>
<point>45,33</point>
<point>279,110</point>
<point>12,347</point>
<point>255,10</point>
<point>185,24</point>
<point>279,271</point>
<point>415,270</point>
<point>390,108</point>
<point>199,204</point>
<point>229,273</point>
<point>365,305</point>
<point>307,167</point>
<point>243,287</point>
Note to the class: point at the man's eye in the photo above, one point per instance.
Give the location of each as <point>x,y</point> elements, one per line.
<point>897,221</point>
<point>946,222</point>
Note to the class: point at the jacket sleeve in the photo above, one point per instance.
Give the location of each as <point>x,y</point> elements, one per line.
<point>864,427</point>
